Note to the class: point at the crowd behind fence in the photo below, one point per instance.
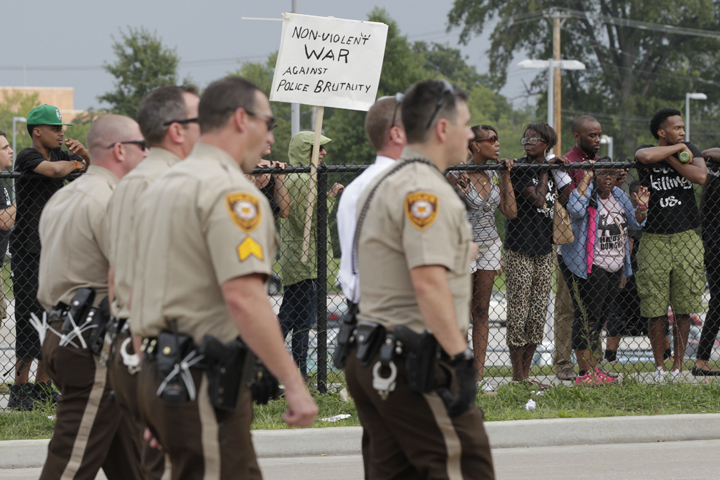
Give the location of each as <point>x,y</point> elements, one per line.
<point>634,356</point>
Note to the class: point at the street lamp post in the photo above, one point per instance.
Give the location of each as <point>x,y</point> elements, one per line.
<point>551,65</point>
<point>14,125</point>
<point>294,107</point>
<point>606,140</point>
<point>688,97</point>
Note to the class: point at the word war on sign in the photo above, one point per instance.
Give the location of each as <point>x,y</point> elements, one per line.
<point>329,62</point>
<point>323,55</point>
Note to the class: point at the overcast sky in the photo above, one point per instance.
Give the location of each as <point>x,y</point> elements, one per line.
<point>64,44</point>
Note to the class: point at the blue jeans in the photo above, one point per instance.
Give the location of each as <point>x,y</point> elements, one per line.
<point>298,313</point>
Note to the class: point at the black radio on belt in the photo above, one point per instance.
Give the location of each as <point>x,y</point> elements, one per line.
<point>170,350</point>
<point>229,366</point>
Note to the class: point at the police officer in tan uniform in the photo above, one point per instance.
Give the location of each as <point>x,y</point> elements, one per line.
<point>415,243</point>
<point>168,121</point>
<point>89,433</point>
<point>206,247</point>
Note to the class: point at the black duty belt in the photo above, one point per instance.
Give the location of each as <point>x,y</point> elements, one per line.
<point>228,366</point>
<point>418,351</point>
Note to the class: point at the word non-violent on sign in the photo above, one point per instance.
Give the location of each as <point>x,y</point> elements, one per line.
<point>329,62</point>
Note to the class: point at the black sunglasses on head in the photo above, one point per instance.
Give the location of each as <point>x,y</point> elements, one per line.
<point>181,122</point>
<point>447,89</point>
<point>398,101</point>
<point>140,143</point>
<point>269,119</point>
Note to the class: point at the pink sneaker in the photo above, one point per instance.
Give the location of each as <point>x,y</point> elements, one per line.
<point>594,378</point>
<point>603,378</point>
<point>587,380</point>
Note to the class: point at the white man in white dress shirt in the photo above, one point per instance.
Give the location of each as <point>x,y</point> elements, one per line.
<point>383,125</point>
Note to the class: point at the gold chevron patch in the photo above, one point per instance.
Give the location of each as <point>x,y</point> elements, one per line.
<point>244,210</point>
<point>421,209</point>
<point>248,248</point>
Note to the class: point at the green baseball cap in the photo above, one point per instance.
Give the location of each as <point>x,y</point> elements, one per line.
<point>45,115</point>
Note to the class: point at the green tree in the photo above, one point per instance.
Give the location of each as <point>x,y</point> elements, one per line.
<point>262,75</point>
<point>81,125</point>
<point>401,68</point>
<point>489,108</point>
<point>631,72</point>
<point>143,64</point>
<point>448,62</point>
<point>404,63</point>
<point>17,104</point>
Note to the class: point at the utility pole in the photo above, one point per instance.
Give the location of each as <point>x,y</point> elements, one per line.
<point>558,18</point>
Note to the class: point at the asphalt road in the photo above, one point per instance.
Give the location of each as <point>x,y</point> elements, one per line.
<point>644,461</point>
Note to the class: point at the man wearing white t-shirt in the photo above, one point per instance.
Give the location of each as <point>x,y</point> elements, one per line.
<point>384,129</point>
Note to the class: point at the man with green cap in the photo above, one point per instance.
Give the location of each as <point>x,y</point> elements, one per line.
<point>298,310</point>
<point>45,166</point>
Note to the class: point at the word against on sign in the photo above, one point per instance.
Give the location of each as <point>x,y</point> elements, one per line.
<point>329,62</point>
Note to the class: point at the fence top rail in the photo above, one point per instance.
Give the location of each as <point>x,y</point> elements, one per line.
<point>359,168</point>
<point>464,166</point>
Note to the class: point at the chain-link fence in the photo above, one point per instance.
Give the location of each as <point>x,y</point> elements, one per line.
<point>578,313</point>
<point>591,308</point>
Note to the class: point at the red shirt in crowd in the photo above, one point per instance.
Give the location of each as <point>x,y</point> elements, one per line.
<point>577,155</point>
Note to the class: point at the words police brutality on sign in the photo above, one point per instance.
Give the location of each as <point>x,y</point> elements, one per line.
<point>329,62</point>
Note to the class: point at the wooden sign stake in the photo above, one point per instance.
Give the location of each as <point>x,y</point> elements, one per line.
<point>313,184</point>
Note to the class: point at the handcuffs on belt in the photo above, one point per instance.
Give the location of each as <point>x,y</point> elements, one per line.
<point>78,318</point>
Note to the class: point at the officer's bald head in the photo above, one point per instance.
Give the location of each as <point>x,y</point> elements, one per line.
<point>108,130</point>
<point>116,143</point>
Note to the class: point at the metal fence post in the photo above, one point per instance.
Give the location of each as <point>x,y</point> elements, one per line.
<point>322,251</point>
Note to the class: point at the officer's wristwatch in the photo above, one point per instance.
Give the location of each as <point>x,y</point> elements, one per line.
<point>466,354</point>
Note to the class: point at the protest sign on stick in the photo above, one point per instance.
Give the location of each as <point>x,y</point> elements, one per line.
<point>327,62</point>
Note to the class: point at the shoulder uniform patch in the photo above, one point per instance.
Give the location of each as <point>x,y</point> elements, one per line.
<point>244,210</point>
<point>421,209</point>
<point>248,248</point>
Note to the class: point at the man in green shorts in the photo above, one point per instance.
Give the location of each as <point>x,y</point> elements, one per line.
<point>670,260</point>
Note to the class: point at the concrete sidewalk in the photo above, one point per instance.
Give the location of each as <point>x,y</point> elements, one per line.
<point>510,434</point>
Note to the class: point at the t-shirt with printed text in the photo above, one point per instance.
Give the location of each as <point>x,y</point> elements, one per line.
<point>672,207</point>
<point>612,230</point>
<point>531,232</point>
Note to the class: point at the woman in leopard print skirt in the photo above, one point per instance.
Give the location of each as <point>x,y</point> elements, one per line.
<point>529,250</point>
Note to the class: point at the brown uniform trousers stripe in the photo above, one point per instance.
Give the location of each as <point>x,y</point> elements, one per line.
<point>410,436</point>
<point>124,385</point>
<point>88,433</point>
<point>202,443</point>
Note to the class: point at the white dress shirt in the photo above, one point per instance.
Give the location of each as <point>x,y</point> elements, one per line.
<point>346,213</point>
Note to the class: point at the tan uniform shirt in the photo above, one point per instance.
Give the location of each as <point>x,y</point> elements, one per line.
<point>74,241</point>
<point>198,225</point>
<point>120,222</point>
<point>415,219</point>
